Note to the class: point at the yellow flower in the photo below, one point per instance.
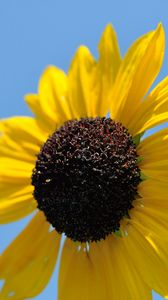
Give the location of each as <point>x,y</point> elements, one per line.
<point>94,178</point>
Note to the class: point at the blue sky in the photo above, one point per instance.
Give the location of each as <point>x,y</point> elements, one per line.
<point>36,33</point>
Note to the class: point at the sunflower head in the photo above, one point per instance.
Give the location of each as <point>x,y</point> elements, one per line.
<point>83,164</point>
<point>86,178</point>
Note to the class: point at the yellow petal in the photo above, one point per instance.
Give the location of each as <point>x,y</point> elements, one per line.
<point>16,199</point>
<point>154,200</point>
<point>155,190</point>
<point>27,264</point>
<point>20,142</point>
<point>125,273</point>
<point>20,138</point>
<point>147,239</point>
<point>99,274</point>
<point>137,73</point>
<point>15,170</point>
<point>154,220</point>
<point>50,105</point>
<point>90,82</point>
<point>154,152</point>
<point>89,278</point>
<point>80,83</point>
<point>150,264</point>
<point>152,111</point>
<point>16,203</point>
<point>107,69</point>
<point>156,217</point>
<point>154,148</point>
<point>151,144</point>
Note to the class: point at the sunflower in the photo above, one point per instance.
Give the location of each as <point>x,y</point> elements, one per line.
<point>83,166</point>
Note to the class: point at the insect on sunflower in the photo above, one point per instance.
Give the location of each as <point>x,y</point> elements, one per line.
<point>82,165</point>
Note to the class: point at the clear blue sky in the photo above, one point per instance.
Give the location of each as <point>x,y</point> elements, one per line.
<point>35,33</point>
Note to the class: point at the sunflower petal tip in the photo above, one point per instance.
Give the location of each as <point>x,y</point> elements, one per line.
<point>81,54</point>
<point>82,50</point>
<point>109,27</point>
<point>160,29</point>
<point>108,31</point>
<point>48,69</point>
<point>29,98</point>
<point>160,25</point>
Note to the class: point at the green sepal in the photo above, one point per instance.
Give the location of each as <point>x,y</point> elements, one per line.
<point>143,177</point>
<point>136,139</point>
<point>139,159</point>
<point>118,233</point>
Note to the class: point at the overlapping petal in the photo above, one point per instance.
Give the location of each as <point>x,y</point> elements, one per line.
<point>100,273</point>
<point>20,142</point>
<point>20,138</point>
<point>136,75</point>
<point>148,243</point>
<point>50,105</point>
<point>16,203</point>
<point>90,82</point>
<point>89,278</point>
<point>125,273</point>
<point>155,193</point>
<point>154,151</point>
<point>149,218</point>
<point>27,264</point>
<point>152,111</point>
<point>84,93</point>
